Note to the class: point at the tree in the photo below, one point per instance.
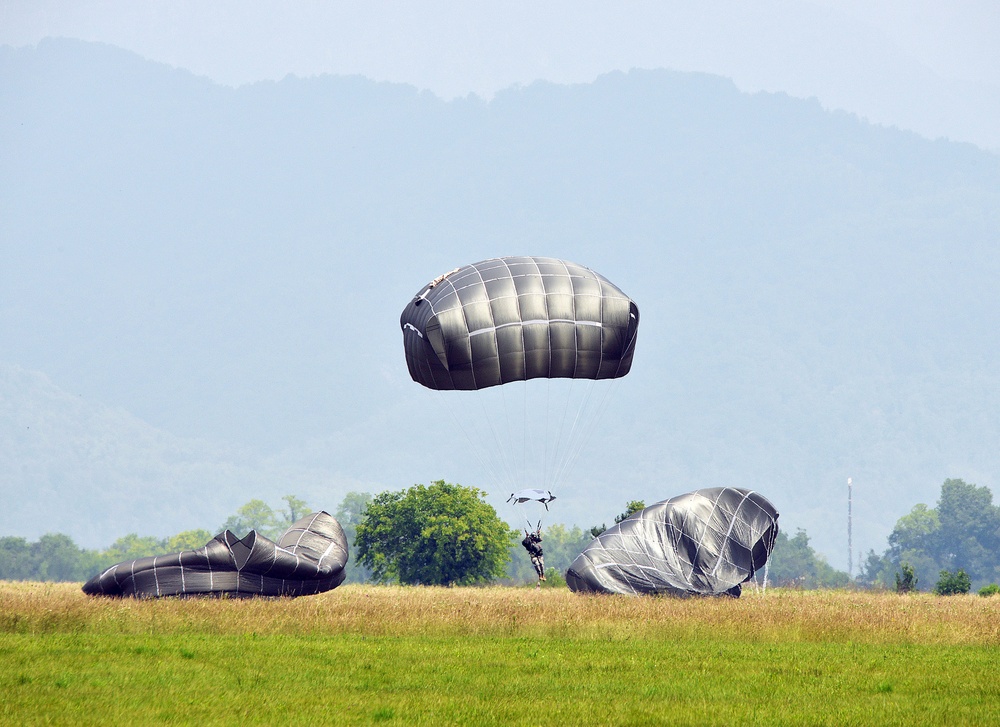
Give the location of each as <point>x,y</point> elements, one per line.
<point>950,584</point>
<point>632,507</point>
<point>963,531</point>
<point>188,540</point>
<point>969,536</point>
<point>59,559</point>
<point>437,534</point>
<point>16,561</point>
<point>349,514</point>
<point>793,562</point>
<point>297,508</point>
<point>256,515</point>
<point>132,546</point>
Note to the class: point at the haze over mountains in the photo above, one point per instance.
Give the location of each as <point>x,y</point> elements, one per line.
<point>200,296</point>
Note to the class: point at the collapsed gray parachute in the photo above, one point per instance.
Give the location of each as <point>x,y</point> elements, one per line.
<point>518,318</point>
<point>705,542</point>
<point>309,558</point>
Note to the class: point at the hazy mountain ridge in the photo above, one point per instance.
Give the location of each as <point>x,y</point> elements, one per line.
<point>229,265</point>
<point>96,473</point>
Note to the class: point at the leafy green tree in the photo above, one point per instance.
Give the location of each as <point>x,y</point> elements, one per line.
<point>17,562</point>
<point>437,534</point>
<point>296,508</point>
<point>963,531</point>
<point>990,590</point>
<point>969,536</point>
<point>914,541</point>
<point>632,507</point>
<point>793,563</point>
<point>188,540</point>
<point>349,514</point>
<point>256,515</point>
<point>132,546</point>
<point>950,584</point>
<point>876,571</point>
<point>59,559</point>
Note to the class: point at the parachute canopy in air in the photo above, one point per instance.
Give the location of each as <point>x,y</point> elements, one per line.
<point>309,558</point>
<point>521,496</point>
<point>705,542</point>
<point>518,318</point>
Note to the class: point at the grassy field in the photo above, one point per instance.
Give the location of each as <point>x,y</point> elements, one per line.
<point>498,656</point>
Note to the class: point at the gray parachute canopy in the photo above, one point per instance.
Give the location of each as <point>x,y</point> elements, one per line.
<point>309,558</point>
<point>705,542</point>
<point>518,318</point>
<point>522,496</point>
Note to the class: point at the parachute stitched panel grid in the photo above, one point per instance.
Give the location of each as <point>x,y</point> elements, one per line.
<point>518,318</point>
<point>704,542</point>
<point>309,558</point>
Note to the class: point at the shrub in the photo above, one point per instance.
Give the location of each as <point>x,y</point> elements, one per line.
<point>990,590</point>
<point>908,582</point>
<point>950,584</point>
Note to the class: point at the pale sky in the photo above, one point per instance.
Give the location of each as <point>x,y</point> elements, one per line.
<point>929,66</point>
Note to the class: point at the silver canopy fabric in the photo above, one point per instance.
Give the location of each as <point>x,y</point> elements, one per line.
<point>309,558</point>
<point>704,542</point>
<point>518,318</point>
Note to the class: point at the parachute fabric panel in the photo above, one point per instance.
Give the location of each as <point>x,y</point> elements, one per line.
<point>518,318</point>
<point>705,542</point>
<point>309,558</point>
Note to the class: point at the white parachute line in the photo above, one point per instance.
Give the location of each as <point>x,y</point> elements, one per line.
<point>567,436</point>
<point>507,468</point>
<point>559,452</point>
<point>477,448</point>
<point>524,434</point>
<point>568,453</point>
<point>545,430</point>
<point>590,423</point>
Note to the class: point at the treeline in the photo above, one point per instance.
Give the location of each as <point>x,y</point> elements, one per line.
<point>55,557</point>
<point>930,545</point>
<point>957,539</point>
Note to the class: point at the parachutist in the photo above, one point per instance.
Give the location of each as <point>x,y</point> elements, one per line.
<point>533,544</point>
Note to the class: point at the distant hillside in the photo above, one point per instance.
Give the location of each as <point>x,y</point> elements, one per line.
<point>817,294</point>
<point>73,466</point>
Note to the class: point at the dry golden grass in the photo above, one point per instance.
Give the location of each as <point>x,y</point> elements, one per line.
<point>796,616</point>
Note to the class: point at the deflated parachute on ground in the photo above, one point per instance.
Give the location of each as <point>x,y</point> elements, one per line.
<point>705,542</point>
<point>518,318</point>
<point>309,558</point>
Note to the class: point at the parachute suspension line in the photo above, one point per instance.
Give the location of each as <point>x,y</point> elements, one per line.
<point>558,452</point>
<point>524,434</point>
<point>507,474</point>
<point>487,463</point>
<point>590,422</point>
<point>567,455</point>
<point>766,564</point>
<point>545,483</point>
